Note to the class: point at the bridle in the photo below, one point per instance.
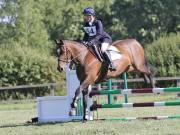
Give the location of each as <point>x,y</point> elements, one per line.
<point>67,59</point>
<point>71,58</point>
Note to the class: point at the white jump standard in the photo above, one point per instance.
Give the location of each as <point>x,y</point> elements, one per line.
<point>56,108</point>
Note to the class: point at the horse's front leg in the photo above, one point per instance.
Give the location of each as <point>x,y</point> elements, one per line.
<point>84,89</point>
<point>81,88</point>
<point>74,101</point>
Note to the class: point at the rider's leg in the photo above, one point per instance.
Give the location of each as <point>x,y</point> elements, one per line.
<point>104,47</point>
<point>95,49</point>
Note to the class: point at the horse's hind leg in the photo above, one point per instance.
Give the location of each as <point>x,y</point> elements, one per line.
<point>150,77</point>
<point>147,74</point>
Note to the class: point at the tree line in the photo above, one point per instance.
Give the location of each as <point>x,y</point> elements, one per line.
<point>36,22</point>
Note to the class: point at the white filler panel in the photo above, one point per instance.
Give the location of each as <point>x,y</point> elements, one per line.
<point>56,108</point>
<point>53,108</point>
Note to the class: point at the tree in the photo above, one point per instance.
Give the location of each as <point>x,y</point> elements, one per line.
<point>164,55</point>
<point>147,19</point>
<point>7,20</point>
<point>30,29</point>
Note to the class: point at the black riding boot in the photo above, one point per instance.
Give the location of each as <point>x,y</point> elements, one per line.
<point>95,49</point>
<point>109,61</point>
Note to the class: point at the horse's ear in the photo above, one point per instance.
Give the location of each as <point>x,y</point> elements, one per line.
<point>59,42</point>
<point>56,41</point>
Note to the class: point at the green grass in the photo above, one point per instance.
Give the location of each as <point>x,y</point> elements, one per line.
<point>14,115</point>
<point>17,105</point>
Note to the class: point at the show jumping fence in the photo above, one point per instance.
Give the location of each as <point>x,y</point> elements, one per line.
<point>96,106</point>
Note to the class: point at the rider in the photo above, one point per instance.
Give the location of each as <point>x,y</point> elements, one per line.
<point>94,35</point>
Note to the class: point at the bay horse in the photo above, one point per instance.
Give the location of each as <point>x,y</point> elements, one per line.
<point>90,70</point>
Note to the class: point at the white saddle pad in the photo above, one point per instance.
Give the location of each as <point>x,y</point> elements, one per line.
<point>114,53</point>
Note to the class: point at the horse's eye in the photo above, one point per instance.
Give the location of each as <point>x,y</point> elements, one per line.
<point>58,52</point>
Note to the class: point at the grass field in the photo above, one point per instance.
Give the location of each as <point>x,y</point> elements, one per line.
<point>14,115</point>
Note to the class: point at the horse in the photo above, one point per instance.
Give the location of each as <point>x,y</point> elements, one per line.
<point>90,70</point>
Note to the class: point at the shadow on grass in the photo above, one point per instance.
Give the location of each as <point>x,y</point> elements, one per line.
<point>34,124</point>
<point>14,125</point>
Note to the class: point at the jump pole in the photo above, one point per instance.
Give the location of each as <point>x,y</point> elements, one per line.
<point>142,118</point>
<point>136,91</point>
<point>132,105</point>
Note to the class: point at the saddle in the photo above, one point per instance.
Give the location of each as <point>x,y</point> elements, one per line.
<point>114,53</point>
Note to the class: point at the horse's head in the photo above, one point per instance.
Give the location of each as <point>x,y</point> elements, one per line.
<point>63,54</point>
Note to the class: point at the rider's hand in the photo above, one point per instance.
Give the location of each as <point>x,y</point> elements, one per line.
<point>89,43</point>
<point>84,42</point>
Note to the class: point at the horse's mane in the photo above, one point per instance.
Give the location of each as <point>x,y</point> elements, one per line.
<point>79,45</point>
<point>74,42</point>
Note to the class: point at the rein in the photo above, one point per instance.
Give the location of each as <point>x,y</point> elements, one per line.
<point>67,59</point>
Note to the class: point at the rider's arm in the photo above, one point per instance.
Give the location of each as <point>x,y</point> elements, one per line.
<point>85,38</point>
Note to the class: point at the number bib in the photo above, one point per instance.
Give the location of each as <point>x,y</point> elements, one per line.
<point>91,31</point>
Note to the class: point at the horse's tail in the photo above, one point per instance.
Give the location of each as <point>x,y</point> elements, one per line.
<point>150,67</point>
<point>147,64</point>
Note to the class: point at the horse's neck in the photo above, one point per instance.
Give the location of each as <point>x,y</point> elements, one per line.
<point>79,52</point>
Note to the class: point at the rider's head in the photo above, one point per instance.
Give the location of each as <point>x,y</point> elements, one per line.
<point>89,14</point>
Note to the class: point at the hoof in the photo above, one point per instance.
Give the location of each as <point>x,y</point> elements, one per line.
<point>74,105</point>
<point>87,116</point>
<point>84,120</point>
<point>72,112</point>
<point>90,118</point>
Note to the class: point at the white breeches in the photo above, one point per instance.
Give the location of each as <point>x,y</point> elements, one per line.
<point>104,47</point>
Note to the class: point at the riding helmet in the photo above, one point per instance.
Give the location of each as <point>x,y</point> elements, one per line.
<point>89,11</point>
